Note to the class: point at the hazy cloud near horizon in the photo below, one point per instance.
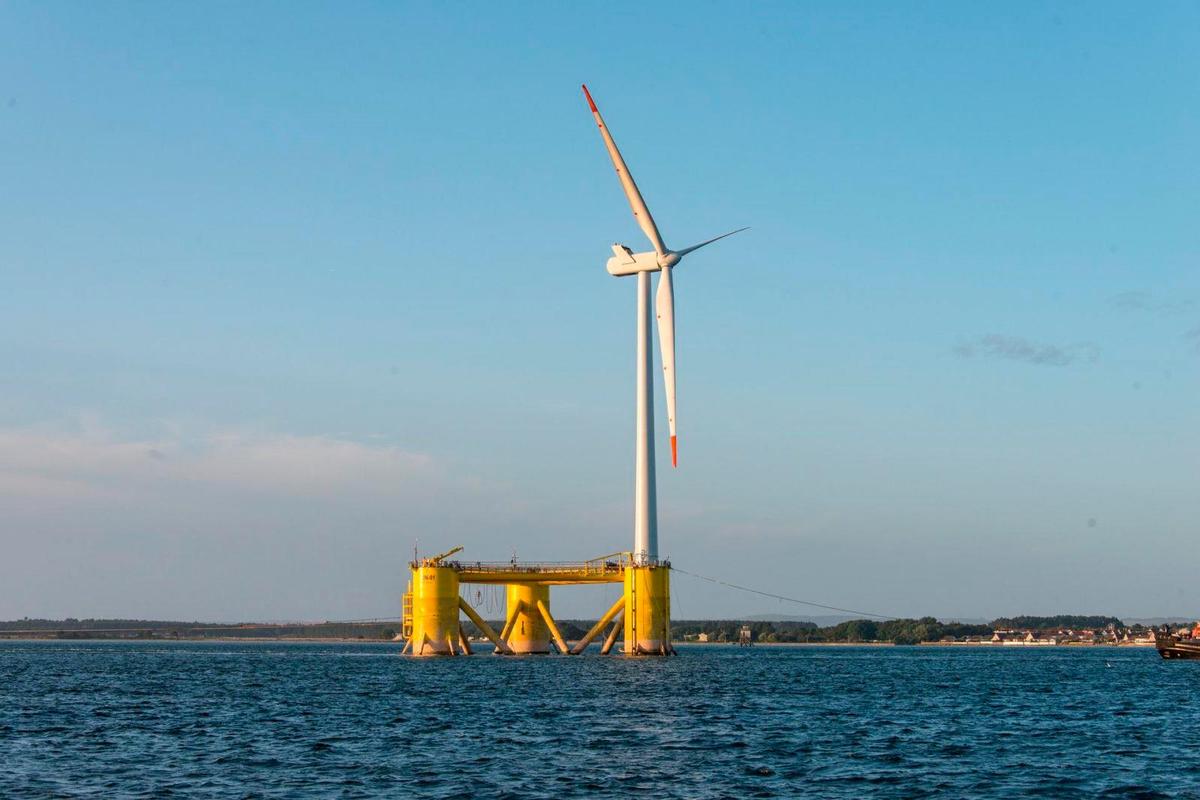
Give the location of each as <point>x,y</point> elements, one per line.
<point>222,523</point>
<point>98,465</point>
<point>1015,348</point>
<point>230,524</point>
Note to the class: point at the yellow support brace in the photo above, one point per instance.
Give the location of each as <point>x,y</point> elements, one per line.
<point>483,626</point>
<point>612,635</point>
<point>463,644</point>
<point>582,644</point>
<point>508,626</point>
<point>558,639</point>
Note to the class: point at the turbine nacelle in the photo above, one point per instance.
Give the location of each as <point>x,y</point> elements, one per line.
<point>627,262</point>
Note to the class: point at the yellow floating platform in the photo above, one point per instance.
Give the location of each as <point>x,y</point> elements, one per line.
<point>432,604</point>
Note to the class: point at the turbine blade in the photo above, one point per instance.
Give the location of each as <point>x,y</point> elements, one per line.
<point>636,203</point>
<point>686,250</point>
<point>664,309</point>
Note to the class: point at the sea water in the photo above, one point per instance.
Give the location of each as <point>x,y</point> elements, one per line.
<point>219,720</point>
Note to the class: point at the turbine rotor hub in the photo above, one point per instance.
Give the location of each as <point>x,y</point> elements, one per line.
<point>668,259</point>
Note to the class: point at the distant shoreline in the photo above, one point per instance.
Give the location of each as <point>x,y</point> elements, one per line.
<point>213,639</point>
<point>483,643</point>
<point>995,645</point>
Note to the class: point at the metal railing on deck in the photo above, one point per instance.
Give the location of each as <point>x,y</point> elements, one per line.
<point>607,568</point>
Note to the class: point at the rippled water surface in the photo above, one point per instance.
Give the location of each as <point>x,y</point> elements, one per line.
<point>314,720</point>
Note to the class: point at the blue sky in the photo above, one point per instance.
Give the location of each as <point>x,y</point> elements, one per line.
<point>284,287</point>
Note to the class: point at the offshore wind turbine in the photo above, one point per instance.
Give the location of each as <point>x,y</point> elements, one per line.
<point>626,262</point>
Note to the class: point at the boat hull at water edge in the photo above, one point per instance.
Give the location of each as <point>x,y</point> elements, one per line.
<point>1171,645</point>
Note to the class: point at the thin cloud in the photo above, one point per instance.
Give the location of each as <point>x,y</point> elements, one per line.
<point>1015,348</point>
<point>1193,336</point>
<point>1146,302</point>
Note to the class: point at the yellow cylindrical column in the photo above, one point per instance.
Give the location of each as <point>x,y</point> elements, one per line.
<point>528,633</point>
<point>434,611</point>
<point>648,611</point>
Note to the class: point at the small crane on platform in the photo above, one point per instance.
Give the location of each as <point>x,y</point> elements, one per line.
<point>435,560</point>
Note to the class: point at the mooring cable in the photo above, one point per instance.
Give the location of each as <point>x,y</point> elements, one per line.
<point>779,596</point>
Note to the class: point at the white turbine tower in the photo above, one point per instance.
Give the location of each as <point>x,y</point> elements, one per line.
<point>626,262</point>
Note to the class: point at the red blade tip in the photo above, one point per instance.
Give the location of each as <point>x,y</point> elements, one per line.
<point>674,451</point>
<point>588,95</point>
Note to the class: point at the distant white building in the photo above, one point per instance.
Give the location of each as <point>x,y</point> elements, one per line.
<point>1019,639</point>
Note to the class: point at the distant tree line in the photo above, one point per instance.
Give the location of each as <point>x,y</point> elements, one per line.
<point>71,623</point>
<point>72,628</point>
<point>1063,621</point>
<point>898,631</point>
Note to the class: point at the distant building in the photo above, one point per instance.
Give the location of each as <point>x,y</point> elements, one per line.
<point>702,637</point>
<point>1019,639</point>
